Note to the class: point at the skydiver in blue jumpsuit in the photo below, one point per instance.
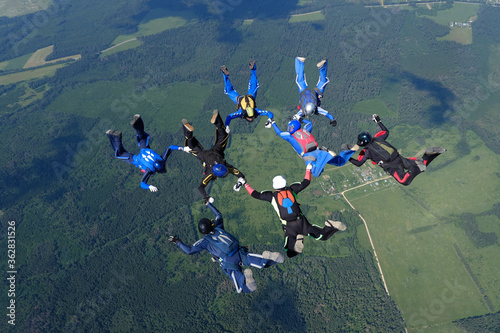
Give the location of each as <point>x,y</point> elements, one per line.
<point>304,144</point>
<point>310,99</point>
<point>147,160</point>
<point>226,249</point>
<point>244,103</point>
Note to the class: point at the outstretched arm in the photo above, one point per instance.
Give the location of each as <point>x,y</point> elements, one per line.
<point>269,114</point>
<point>325,113</point>
<point>144,181</point>
<point>266,195</point>
<point>297,187</point>
<point>233,115</point>
<point>308,125</point>
<point>362,157</point>
<point>218,222</point>
<point>384,133</point>
<point>199,246</point>
<point>169,150</point>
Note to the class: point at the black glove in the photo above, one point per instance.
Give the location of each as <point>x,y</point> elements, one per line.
<point>376,118</point>
<point>333,123</point>
<point>174,239</point>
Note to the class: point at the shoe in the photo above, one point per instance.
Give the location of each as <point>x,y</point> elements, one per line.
<point>335,224</point>
<point>224,70</point>
<point>114,133</point>
<point>435,150</point>
<point>353,147</point>
<point>135,119</point>
<point>238,186</point>
<point>251,64</point>
<point>420,164</point>
<point>187,125</point>
<point>321,63</point>
<point>301,59</point>
<point>299,244</point>
<point>214,117</point>
<point>249,280</point>
<point>274,256</point>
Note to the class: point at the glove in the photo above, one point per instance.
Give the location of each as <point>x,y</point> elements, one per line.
<point>269,123</point>
<point>153,188</point>
<point>333,123</point>
<point>376,118</point>
<point>242,181</point>
<point>187,149</point>
<point>208,199</point>
<point>309,166</point>
<point>174,239</point>
<point>296,117</point>
<point>227,129</point>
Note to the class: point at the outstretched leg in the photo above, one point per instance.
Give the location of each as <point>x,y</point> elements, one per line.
<point>323,79</point>
<point>189,139</point>
<point>228,87</point>
<point>253,84</point>
<point>221,136</point>
<point>115,137</point>
<point>404,171</point>
<point>432,153</point>
<point>299,70</point>
<point>142,137</point>
<point>327,231</point>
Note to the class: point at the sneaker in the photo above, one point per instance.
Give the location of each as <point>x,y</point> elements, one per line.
<point>187,125</point>
<point>224,70</point>
<point>249,280</point>
<point>252,64</point>
<point>114,133</point>
<point>335,224</point>
<point>135,119</point>
<point>301,59</point>
<point>299,244</point>
<point>214,117</point>
<point>435,150</point>
<point>321,63</point>
<point>238,186</point>
<point>420,164</point>
<point>274,256</point>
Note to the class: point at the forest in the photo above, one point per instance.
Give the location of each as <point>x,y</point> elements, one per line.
<point>93,254</point>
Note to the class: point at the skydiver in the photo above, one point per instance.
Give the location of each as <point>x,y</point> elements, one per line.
<point>294,223</point>
<point>305,145</point>
<point>227,250</point>
<point>310,99</point>
<point>212,159</point>
<point>147,160</point>
<point>245,104</point>
<point>382,153</point>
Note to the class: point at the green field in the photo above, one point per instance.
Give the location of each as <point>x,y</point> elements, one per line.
<point>130,44</point>
<point>431,291</point>
<point>30,74</point>
<point>314,16</point>
<point>459,35</point>
<point>461,12</point>
<point>158,20</point>
<point>16,63</point>
<point>11,8</point>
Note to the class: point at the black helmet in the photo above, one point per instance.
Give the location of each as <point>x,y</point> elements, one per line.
<point>159,166</point>
<point>205,226</point>
<point>364,139</point>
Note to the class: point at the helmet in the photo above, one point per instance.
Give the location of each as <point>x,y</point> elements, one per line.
<point>293,126</point>
<point>159,166</point>
<point>279,182</point>
<point>309,109</point>
<point>220,170</point>
<point>205,226</point>
<point>364,139</point>
<point>248,106</point>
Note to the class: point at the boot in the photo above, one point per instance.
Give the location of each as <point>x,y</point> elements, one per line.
<point>274,256</point>
<point>224,70</point>
<point>335,224</point>
<point>187,125</point>
<point>249,280</point>
<point>251,64</point>
<point>137,123</point>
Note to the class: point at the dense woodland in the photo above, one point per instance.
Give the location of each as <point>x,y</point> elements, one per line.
<point>93,254</point>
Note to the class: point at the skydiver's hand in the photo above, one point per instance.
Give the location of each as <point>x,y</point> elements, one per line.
<point>174,239</point>
<point>227,129</point>
<point>376,118</point>
<point>208,199</point>
<point>153,188</point>
<point>297,117</point>
<point>309,166</point>
<point>187,149</point>
<point>242,180</point>
<point>269,123</point>
<point>333,123</point>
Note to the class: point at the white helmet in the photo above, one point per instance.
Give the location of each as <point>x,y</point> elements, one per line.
<point>309,109</point>
<point>279,182</point>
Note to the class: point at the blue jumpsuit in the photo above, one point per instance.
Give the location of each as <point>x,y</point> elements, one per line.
<point>253,86</point>
<point>319,158</point>
<point>302,85</point>
<point>230,264</point>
